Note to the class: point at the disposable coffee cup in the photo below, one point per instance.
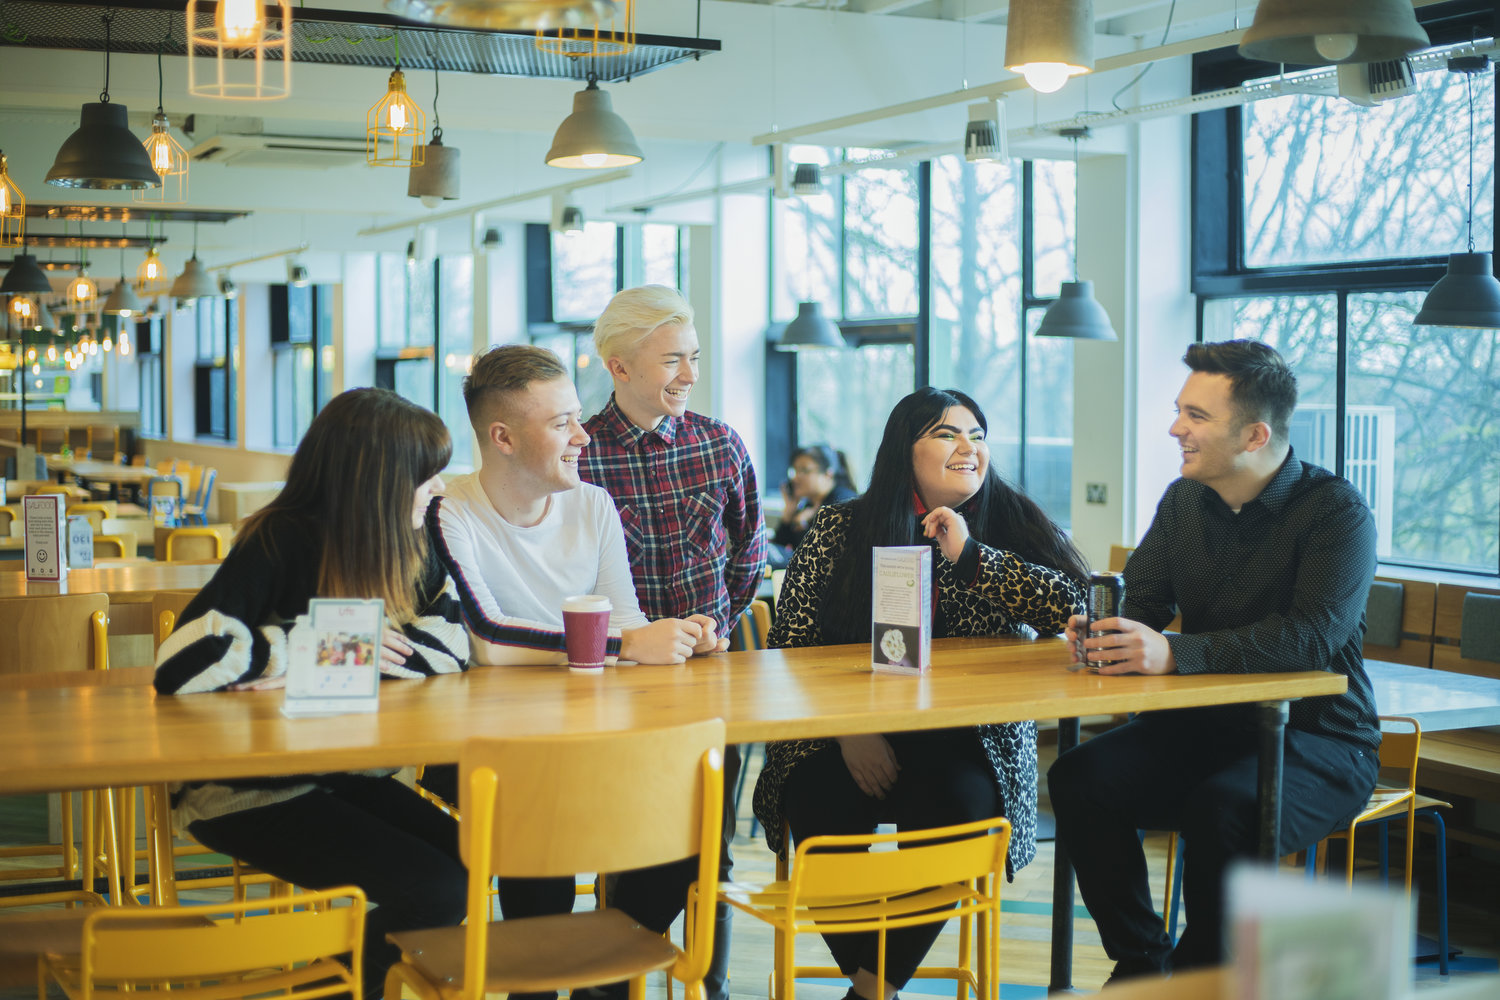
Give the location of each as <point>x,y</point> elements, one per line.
<point>586,631</point>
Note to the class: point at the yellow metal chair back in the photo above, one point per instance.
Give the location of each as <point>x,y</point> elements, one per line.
<point>192,544</point>
<point>1394,795</point>
<point>55,634</point>
<point>562,805</point>
<point>838,884</point>
<point>114,546</point>
<point>219,951</point>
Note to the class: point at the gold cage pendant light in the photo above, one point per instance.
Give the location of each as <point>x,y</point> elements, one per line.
<point>592,43</point>
<point>243,52</point>
<point>12,209</point>
<point>395,126</point>
<point>168,158</point>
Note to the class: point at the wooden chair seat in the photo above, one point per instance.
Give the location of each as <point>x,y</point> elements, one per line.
<point>540,954</point>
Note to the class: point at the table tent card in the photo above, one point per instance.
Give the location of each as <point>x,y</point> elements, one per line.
<point>901,609</point>
<point>333,658</point>
<point>1292,939</point>
<point>80,542</point>
<point>45,516</point>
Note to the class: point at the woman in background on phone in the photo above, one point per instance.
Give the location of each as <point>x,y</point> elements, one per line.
<point>1000,567</point>
<point>350,523</point>
<point>818,475</point>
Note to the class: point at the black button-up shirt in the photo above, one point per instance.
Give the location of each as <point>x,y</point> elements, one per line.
<point>1280,586</point>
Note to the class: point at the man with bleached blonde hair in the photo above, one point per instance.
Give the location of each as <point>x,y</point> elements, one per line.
<point>685,490</point>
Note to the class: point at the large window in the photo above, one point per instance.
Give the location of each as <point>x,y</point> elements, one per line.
<point>216,322</point>
<point>1341,218</point>
<point>302,358</point>
<point>152,376</point>
<point>585,271</point>
<point>997,241</point>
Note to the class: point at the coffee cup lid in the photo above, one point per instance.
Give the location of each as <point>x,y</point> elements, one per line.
<point>587,602</point>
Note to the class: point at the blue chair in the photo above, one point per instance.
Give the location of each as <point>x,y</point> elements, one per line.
<point>197,511</point>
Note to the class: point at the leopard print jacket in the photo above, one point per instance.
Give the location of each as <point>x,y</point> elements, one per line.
<point>1008,596</point>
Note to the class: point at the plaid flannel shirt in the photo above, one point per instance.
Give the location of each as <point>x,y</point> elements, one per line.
<point>690,507</point>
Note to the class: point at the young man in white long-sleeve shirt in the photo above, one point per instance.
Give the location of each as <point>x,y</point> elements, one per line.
<point>523,533</point>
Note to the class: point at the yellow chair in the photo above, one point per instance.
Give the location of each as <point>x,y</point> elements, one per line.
<point>557,806</point>
<point>53,634</point>
<point>1399,749</point>
<point>95,512</point>
<point>218,951</point>
<point>193,544</point>
<point>115,546</point>
<point>10,514</point>
<point>838,885</point>
<point>753,628</point>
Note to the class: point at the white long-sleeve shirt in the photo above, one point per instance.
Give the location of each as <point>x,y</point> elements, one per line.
<point>512,580</point>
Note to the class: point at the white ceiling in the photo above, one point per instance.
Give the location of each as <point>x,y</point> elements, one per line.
<point>783,65</point>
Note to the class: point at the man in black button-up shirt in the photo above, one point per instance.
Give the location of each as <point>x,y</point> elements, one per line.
<point>1269,561</point>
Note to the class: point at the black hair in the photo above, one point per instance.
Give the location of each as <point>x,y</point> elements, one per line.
<point>1261,383</point>
<point>830,460</point>
<point>998,515</point>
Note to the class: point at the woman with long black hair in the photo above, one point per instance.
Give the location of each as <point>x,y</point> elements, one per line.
<point>1001,567</point>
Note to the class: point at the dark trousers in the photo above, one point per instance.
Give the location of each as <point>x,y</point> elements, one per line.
<point>944,779</point>
<point>652,896</point>
<point>1193,771</point>
<point>355,830</point>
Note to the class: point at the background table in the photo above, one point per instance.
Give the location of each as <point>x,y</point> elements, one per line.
<point>1437,699</point>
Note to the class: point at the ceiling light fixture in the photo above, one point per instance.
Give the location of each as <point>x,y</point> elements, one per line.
<point>25,276</point>
<point>394,125</point>
<point>151,276</point>
<point>810,329</point>
<point>168,158</point>
<point>102,152</point>
<point>12,209</point>
<point>1076,313</point>
<point>572,223</point>
<point>435,178</point>
<point>82,293</point>
<point>807,179</point>
<point>296,273</point>
<point>1468,295</point>
<point>122,300</point>
<point>1049,41</point>
<point>245,46</point>
<point>985,139</point>
<point>194,282</point>
<point>228,288</point>
<point>1320,32</point>
<point>580,41</point>
<point>593,136</point>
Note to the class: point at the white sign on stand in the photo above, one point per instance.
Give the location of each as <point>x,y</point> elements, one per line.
<point>901,609</point>
<point>333,658</point>
<point>80,542</point>
<point>46,537</point>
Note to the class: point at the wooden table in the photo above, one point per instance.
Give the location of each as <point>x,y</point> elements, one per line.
<point>86,737</point>
<point>102,472</point>
<point>1437,699</point>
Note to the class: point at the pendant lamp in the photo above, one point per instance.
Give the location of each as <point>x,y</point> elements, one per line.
<point>394,125</point>
<point>12,209</point>
<point>103,153</point>
<point>82,293</point>
<point>122,300</point>
<point>194,282</point>
<point>571,223</point>
<point>985,140</point>
<point>807,179</point>
<point>435,178</point>
<point>250,47</point>
<point>1049,41</point>
<point>1320,32</point>
<point>25,276</point>
<point>1468,295</point>
<point>168,158</point>
<point>593,136</point>
<point>811,329</point>
<point>1076,313</point>
<point>503,15</point>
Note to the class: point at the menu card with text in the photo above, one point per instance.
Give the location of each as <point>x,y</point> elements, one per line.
<point>45,516</point>
<point>901,609</point>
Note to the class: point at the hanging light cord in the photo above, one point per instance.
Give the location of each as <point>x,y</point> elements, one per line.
<point>158,80</point>
<point>1075,207</point>
<point>437,122</point>
<point>1469,222</point>
<point>109,17</point>
<point>1171,12</point>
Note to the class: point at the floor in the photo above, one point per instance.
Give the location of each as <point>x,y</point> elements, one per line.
<point>1025,926</point>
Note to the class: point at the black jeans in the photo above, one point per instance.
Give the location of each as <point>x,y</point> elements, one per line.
<point>651,896</point>
<point>356,830</point>
<point>945,778</point>
<point>1193,771</point>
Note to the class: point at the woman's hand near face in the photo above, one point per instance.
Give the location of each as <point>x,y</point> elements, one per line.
<point>871,762</point>
<point>949,528</point>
